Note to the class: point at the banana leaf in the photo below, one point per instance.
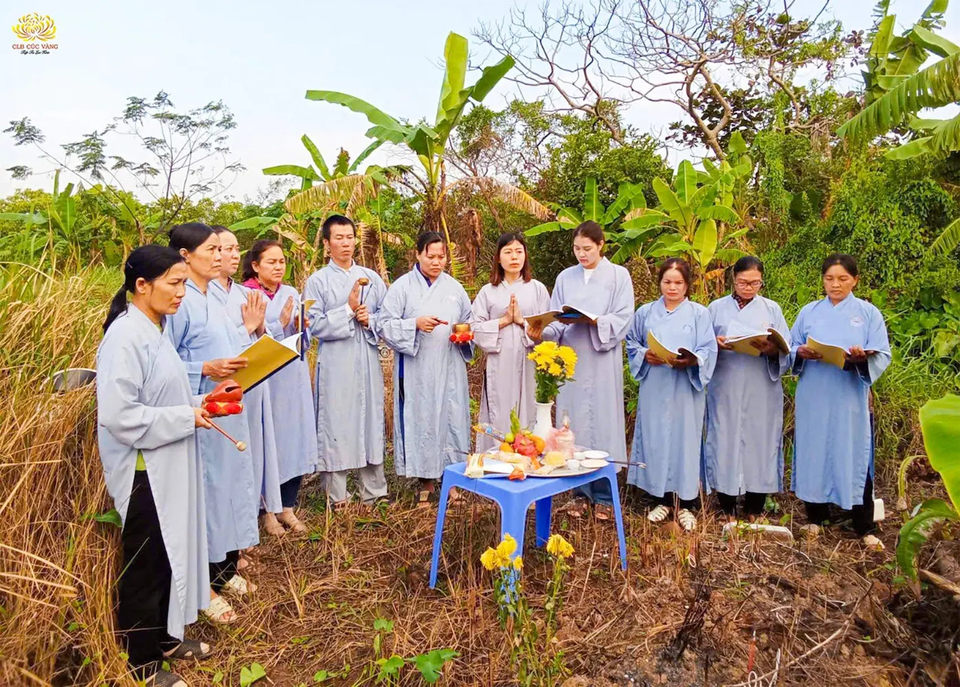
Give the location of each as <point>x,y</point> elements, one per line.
<point>940,421</point>
<point>454,75</point>
<point>592,208</point>
<point>317,157</point>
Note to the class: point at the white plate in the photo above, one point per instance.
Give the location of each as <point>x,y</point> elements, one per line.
<point>497,467</point>
<point>593,463</point>
<point>595,455</point>
<point>566,472</point>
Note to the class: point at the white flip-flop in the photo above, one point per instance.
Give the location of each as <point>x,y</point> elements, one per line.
<point>238,585</point>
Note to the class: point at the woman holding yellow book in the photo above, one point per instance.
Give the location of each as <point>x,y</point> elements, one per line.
<point>833,456</point>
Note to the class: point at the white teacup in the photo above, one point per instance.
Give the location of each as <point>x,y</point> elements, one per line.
<point>573,464</point>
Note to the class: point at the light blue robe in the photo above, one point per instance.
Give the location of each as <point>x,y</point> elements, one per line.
<point>291,398</point>
<point>671,402</point>
<point>435,415</point>
<point>509,381</point>
<point>743,447</point>
<point>594,398</point>
<point>200,331</point>
<point>256,404</point>
<point>349,380</point>
<point>833,442</point>
<point>145,403</point>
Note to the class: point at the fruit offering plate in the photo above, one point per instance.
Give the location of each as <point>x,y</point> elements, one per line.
<point>587,462</point>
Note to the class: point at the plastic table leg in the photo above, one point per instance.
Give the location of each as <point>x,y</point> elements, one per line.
<point>438,532</point>
<point>544,508</point>
<point>618,519</point>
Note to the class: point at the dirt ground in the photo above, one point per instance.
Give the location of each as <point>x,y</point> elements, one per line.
<point>690,610</point>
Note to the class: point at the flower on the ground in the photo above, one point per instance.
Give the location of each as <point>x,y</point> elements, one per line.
<point>507,547</point>
<point>490,559</point>
<point>559,547</point>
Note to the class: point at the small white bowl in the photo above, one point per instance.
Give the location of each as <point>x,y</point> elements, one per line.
<point>573,465</point>
<point>596,455</point>
<point>578,455</point>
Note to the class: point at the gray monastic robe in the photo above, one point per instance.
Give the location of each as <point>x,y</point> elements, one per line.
<point>144,403</point>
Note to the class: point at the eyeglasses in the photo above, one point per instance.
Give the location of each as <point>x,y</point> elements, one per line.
<point>748,284</point>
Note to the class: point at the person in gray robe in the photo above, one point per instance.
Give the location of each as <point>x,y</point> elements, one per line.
<point>499,330</point>
<point>349,381</point>
<point>146,423</point>
<point>743,444</point>
<point>431,395</point>
<point>593,400</point>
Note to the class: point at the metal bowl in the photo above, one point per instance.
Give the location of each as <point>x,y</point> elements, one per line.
<point>461,328</point>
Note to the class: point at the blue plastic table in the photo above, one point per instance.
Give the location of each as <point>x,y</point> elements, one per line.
<point>514,498</point>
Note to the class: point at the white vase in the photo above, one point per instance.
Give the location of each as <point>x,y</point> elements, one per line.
<point>544,421</point>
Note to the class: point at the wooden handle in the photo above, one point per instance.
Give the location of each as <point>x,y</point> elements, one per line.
<point>241,446</point>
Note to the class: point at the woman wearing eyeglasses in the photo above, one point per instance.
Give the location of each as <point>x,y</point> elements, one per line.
<point>743,448</point>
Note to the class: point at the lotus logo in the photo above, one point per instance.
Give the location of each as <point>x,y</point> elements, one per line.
<point>35,27</point>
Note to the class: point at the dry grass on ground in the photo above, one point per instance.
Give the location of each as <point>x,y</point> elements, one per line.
<point>691,610</point>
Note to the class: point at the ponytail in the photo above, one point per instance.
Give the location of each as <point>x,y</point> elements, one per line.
<point>148,263</point>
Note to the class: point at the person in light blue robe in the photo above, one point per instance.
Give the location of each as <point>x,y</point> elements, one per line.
<point>257,408</point>
<point>743,446</point>
<point>146,420</point>
<point>833,448</point>
<point>671,398</point>
<point>593,400</point>
<point>349,380</point>
<point>203,336</point>
<point>431,394</point>
<point>290,390</point>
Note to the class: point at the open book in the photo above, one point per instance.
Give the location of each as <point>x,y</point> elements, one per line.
<point>831,354</point>
<point>744,342</point>
<point>665,354</point>
<point>567,314</point>
<point>266,357</point>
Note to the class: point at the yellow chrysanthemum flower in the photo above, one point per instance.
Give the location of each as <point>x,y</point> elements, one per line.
<point>490,559</point>
<point>518,563</point>
<point>555,370</point>
<point>507,547</point>
<point>559,547</point>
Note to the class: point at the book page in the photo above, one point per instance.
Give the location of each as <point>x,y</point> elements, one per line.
<point>577,314</point>
<point>831,354</point>
<point>264,358</point>
<point>661,351</point>
<point>542,319</point>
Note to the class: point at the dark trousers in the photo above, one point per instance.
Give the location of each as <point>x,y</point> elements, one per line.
<point>144,585</point>
<point>752,503</point>
<point>222,571</point>
<point>289,491</point>
<point>670,498</point>
<point>862,516</point>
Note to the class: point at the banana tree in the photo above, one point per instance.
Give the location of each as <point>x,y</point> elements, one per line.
<point>940,423</point>
<point>429,142</point>
<point>629,198</point>
<point>309,174</point>
<point>692,220</point>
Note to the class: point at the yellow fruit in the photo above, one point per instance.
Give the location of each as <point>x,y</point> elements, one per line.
<point>539,443</point>
<point>506,448</point>
<point>509,438</point>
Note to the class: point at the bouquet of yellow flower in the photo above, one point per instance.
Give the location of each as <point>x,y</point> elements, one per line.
<point>555,367</point>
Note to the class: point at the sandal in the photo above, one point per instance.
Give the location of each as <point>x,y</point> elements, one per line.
<point>272,526</point>
<point>658,514</point>
<point>239,586</point>
<point>873,542</point>
<point>189,648</point>
<point>811,531</point>
<point>577,507</point>
<point>339,506</point>
<point>603,512</point>
<point>162,678</point>
<point>219,608</point>
<point>687,520</point>
<point>424,498</point>
<point>290,519</point>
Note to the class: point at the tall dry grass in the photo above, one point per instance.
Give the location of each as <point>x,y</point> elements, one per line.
<point>56,562</point>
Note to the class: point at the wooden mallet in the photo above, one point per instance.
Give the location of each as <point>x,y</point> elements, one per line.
<point>241,446</point>
<point>362,281</point>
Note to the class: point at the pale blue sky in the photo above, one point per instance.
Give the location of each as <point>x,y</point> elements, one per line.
<point>260,58</point>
